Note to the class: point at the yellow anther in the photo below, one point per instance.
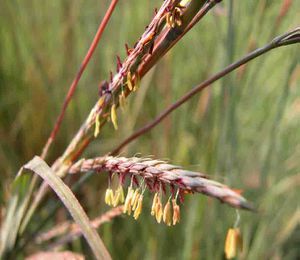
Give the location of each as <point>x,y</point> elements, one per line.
<point>135,201</point>
<point>97,125</point>
<point>122,197</point>
<point>167,215</point>
<point>233,243</point>
<point>113,116</point>
<point>139,206</point>
<point>176,212</point>
<point>168,19</point>
<point>100,101</point>
<point>119,196</point>
<point>134,195</point>
<point>127,205</point>
<point>178,21</point>
<point>154,204</point>
<point>109,195</point>
<point>129,81</point>
<point>158,211</point>
<point>122,100</point>
<point>137,82</point>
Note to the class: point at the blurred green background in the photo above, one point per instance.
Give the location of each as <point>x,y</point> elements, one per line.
<point>242,131</point>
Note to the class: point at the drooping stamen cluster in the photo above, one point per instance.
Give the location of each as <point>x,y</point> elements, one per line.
<point>114,197</point>
<point>165,213</point>
<point>158,175</point>
<point>173,16</point>
<point>133,202</point>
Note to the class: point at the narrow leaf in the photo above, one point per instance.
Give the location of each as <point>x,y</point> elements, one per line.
<point>38,166</point>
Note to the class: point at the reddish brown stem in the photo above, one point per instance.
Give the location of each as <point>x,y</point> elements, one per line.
<point>74,84</point>
<point>283,40</point>
<point>159,52</point>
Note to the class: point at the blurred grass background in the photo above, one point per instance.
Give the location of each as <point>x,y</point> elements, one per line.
<point>243,131</point>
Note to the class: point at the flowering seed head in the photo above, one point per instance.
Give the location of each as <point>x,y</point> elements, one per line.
<point>167,214</point>
<point>233,243</point>
<point>160,174</point>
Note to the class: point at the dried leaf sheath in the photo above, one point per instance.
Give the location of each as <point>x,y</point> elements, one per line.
<point>156,171</point>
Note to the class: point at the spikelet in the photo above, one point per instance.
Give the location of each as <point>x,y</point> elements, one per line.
<point>113,115</point>
<point>139,206</point>
<point>97,125</point>
<point>233,243</point>
<point>167,214</point>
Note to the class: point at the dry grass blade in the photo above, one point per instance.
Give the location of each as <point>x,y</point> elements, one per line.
<point>156,172</point>
<point>38,166</point>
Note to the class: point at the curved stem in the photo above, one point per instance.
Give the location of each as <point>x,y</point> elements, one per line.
<point>283,40</point>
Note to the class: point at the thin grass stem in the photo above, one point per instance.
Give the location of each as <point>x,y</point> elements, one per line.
<point>289,38</point>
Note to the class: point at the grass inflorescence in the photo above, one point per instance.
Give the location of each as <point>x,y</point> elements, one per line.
<point>245,132</point>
